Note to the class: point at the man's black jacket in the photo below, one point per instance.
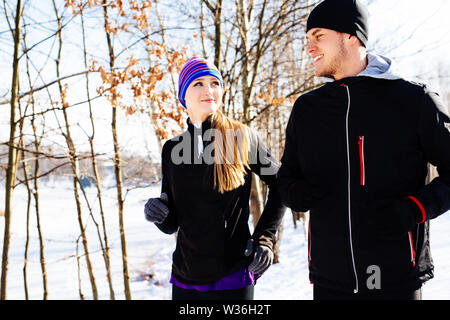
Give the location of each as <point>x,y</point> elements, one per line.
<point>363,141</point>
<point>213,228</point>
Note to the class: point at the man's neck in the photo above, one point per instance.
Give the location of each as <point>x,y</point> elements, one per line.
<point>354,65</point>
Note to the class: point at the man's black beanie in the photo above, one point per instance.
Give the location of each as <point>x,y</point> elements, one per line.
<point>346,16</point>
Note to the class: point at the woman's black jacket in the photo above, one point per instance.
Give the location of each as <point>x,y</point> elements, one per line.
<point>212,227</point>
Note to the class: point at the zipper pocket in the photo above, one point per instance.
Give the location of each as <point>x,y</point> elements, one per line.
<point>361,161</point>
<point>411,249</point>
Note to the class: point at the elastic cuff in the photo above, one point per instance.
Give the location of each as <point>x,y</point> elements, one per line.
<point>422,209</point>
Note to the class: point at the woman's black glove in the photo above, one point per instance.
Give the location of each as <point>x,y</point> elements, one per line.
<point>156,209</point>
<point>263,257</point>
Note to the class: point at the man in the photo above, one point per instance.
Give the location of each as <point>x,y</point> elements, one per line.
<point>356,156</point>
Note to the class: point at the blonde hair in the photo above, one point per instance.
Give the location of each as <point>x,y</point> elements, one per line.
<point>231,157</point>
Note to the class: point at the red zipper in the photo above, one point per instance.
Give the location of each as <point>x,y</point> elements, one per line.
<point>361,161</point>
<point>411,247</point>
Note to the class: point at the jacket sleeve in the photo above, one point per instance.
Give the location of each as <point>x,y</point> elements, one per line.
<point>290,172</point>
<point>170,224</point>
<point>434,136</point>
<point>266,167</point>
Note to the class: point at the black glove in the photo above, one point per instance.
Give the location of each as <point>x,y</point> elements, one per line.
<point>395,218</point>
<point>303,196</point>
<point>156,209</point>
<point>263,257</point>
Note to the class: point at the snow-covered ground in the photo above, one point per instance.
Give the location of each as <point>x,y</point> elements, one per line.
<point>149,251</point>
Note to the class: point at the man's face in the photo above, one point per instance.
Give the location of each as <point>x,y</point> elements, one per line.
<point>327,48</point>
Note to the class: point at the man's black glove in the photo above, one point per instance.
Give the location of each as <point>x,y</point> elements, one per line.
<point>303,196</point>
<point>263,257</point>
<point>156,209</point>
<point>394,218</point>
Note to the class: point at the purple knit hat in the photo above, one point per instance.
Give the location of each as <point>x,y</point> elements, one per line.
<point>195,68</point>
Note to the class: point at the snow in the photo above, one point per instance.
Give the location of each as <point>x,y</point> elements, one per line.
<point>150,251</point>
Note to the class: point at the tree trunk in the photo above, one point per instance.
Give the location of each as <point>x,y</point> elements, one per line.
<point>244,21</point>
<point>432,173</point>
<point>74,165</point>
<point>35,189</point>
<point>38,221</point>
<point>218,35</point>
<point>276,245</point>
<point>256,201</point>
<point>12,153</point>
<point>106,255</point>
<point>117,167</point>
<point>120,202</point>
<point>27,237</point>
<point>217,13</point>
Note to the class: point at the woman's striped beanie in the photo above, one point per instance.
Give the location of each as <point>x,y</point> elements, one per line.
<point>195,68</point>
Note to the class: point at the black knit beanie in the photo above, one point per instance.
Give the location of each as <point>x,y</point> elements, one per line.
<point>346,16</point>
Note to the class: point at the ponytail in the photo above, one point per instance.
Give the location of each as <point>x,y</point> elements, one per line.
<point>231,152</point>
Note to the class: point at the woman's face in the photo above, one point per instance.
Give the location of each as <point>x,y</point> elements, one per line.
<point>203,97</point>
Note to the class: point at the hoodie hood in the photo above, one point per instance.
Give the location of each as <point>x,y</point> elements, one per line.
<point>379,67</point>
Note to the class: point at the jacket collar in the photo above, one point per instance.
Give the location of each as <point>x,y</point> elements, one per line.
<point>378,67</point>
<point>207,124</point>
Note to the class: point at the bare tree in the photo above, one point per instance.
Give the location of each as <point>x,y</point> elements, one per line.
<point>106,254</point>
<point>73,160</point>
<point>117,162</point>
<point>216,11</point>
<point>35,189</point>
<point>12,150</point>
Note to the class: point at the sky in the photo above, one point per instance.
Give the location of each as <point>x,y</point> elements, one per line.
<point>414,33</point>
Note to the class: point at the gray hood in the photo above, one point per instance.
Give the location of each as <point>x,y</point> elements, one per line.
<point>379,67</point>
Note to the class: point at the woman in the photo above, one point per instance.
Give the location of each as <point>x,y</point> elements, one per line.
<point>206,183</point>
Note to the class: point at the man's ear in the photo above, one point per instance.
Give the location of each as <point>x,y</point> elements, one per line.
<point>353,40</point>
